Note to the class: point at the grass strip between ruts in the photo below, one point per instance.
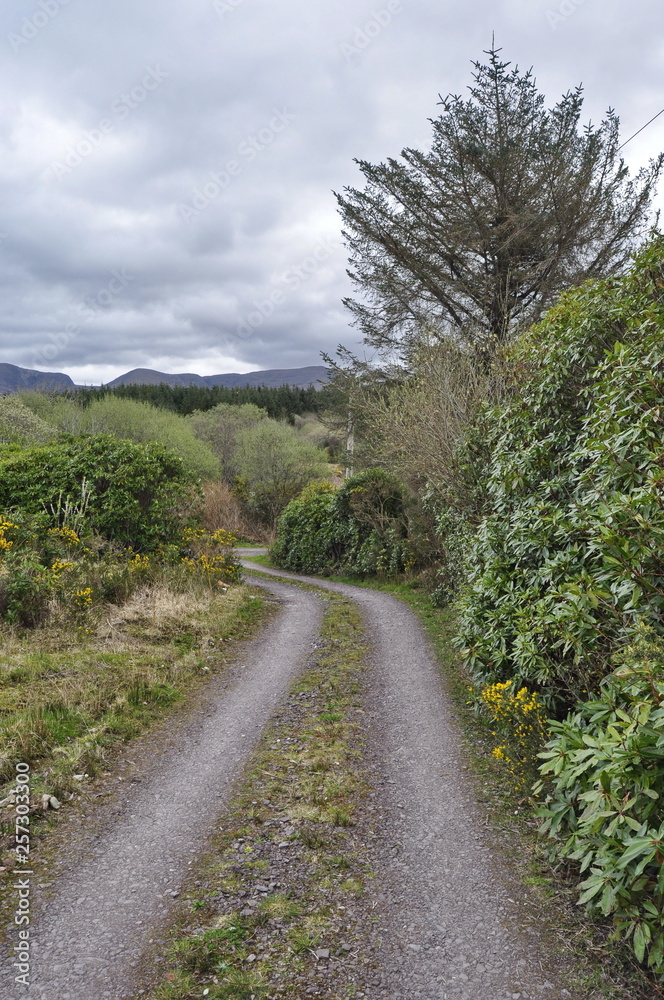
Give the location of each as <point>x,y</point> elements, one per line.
<point>274,908</point>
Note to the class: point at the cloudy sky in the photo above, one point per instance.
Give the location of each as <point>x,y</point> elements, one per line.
<point>167,167</point>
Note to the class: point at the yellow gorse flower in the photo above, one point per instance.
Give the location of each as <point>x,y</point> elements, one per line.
<point>59,566</point>
<point>520,718</point>
<point>83,598</point>
<point>6,543</point>
<point>68,534</point>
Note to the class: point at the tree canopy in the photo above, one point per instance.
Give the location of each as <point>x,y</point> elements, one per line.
<point>512,204</point>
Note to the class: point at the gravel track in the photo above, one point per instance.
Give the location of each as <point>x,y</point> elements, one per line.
<point>118,881</point>
<point>451,923</point>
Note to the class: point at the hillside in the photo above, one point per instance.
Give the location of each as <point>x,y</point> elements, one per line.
<point>13,379</point>
<point>297,377</point>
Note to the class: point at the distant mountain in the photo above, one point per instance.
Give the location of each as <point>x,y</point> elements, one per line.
<point>300,378</point>
<point>13,379</point>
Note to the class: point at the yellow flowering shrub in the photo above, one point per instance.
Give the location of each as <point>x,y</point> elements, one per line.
<point>68,535</point>
<point>6,543</point>
<point>83,598</point>
<point>520,721</point>
<point>211,556</point>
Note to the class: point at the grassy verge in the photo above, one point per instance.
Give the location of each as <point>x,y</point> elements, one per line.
<point>261,561</point>
<point>273,911</point>
<point>68,696</point>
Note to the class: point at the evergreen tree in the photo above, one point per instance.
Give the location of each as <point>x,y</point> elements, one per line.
<point>512,204</point>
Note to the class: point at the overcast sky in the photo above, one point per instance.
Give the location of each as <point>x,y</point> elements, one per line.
<point>167,166</point>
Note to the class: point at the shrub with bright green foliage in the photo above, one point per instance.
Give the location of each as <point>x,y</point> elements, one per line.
<point>571,555</point>
<point>20,426</point>
<point>360,528</point>
<point>275,464</point>
<point>138,495</point>
<point>219,428</point>
<point>604,797</point>
<point>127,419</point>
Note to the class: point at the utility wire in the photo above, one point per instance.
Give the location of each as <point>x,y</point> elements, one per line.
<point>528,224</point>
<point>640,130</point>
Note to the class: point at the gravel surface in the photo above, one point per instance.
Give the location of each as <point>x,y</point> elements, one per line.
<point>120,877</point>
<point>451,925</point>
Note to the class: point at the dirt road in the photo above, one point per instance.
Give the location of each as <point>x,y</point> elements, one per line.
<point>116,881</point>
<point>451,921</point>
<point>448,917</point>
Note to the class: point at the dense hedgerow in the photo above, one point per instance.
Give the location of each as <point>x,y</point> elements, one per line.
<point>571,555</point>
<point>360,528</point>
<point>565,578</point>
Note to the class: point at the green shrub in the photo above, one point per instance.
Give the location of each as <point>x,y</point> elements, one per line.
<point>603,780</point>
<point>139,495</point>
<point>20,426</point>
<point>573,545</point>
<point>275,464</point>
<point>311,535</point>
<point>360,528</point>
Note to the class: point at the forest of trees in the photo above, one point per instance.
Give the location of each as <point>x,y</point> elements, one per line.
<point>281,403</point>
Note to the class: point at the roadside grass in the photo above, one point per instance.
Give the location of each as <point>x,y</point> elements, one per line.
<point>262,561</point>
<point>271,911</point>
<point>69,695</point>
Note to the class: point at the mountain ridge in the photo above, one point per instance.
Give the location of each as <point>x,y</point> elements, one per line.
<point>14,379</point>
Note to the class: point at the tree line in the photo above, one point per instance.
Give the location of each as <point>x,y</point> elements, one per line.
<point>281,402</point>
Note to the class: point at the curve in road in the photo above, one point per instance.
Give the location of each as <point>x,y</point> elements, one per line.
<point>449,910</point>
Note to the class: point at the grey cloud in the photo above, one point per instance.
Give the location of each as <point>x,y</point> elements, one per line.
<point>206,289</point>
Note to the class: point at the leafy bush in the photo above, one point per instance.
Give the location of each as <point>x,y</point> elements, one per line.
<point>140,495</point>
<point>219,429</point>
<point>211,556</point>
<point>311,535</point>
<point>35,562</point>
<point>573,545</point>
<point>360,528</point>
<point>20,426</point>
<point>604,804</point>
<point>275,464</point>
